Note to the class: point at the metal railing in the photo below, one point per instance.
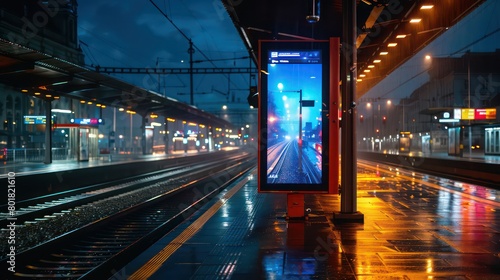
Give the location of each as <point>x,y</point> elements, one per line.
<point>34,155</point>
<point>38,155</point>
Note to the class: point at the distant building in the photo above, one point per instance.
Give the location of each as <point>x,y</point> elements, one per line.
<point>42,67</point>
<point>471,81</point>
<point>49,27</point>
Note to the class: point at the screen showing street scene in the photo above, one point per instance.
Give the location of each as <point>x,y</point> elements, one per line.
<point>294,117</point>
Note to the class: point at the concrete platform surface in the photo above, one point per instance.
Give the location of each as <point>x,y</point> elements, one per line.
<point>414,228</point>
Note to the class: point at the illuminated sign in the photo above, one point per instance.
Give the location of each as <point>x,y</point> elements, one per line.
<point>446,117</point>
<point>467,114</point>
<point>475,114</point>
<point>34,119</point>
<point>448,120</point>
<point>485,114</point>
<point>88,121</point>
<point>294,90</point>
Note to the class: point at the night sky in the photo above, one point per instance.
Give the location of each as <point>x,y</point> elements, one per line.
<point>135,34</point>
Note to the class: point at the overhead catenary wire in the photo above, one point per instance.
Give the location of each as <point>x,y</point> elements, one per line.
<point>190,50</point>
<point>91,56</point>
<point>181,32</point>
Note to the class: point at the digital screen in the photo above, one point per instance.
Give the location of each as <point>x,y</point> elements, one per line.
<point>485,114</point>
<point>88,121</point>
<point>34,119</point>
<point>467,114</point>
<point>294,90</point>
<point>475,114</point>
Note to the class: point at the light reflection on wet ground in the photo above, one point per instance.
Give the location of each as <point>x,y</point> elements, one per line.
<point>413,229</point>
<point>417,227</point>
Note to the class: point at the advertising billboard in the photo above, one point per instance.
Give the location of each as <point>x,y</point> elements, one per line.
<point>294,93</point>
<point>475,113</point>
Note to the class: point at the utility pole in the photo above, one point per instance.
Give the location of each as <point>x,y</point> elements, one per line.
<point>191,52</point>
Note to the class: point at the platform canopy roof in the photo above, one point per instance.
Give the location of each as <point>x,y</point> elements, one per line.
<point>37,72</point>
<point>379,22</point>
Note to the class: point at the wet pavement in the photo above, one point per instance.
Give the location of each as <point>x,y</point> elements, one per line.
<point>413,229</point>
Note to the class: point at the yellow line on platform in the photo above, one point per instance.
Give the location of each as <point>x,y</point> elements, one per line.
<point>155,262</point>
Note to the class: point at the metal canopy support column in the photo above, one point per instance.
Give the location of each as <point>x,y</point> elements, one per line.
<point>144,121</point>
<point>185,137</point>
<point>348,200</point>
<point>208,138</point>
<point>48,132</point>
<point>166,136</point>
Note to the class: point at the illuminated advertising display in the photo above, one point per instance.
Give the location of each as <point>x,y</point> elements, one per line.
<point>149,132</point>
<point>293,136</point>
<point>485,114</point>
<point>475,114</point>
<point>34,119</point>
<point>84,144</point>
<point>88,121</point>
<point>467,114</point>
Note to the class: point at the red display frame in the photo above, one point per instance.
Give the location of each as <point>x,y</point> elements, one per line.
<point>288,56</point>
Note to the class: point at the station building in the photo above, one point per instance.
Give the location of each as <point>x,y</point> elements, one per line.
<point>456,111</point>
<point>43,81</point>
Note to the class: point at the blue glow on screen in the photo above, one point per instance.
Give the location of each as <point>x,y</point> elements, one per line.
<point>294,151</point>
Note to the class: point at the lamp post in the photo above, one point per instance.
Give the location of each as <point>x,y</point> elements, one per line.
<point>377,131</point>
<point>131,134</point>
<point>372,129</point>
<point>468,101</point>
<point>114,129</point>
<point>371,132</point>
<point>381,120</point>
<point>431,116</point>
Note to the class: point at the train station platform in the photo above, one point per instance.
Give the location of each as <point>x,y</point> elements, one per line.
<point>30,168</point>
<point>413,229</point>
<point>474,157</point>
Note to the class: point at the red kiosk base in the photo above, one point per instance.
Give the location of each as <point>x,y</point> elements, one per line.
<point>295,206</point>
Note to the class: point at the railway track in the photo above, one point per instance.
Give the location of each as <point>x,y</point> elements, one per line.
<point>39,208</point>
<point>101,247</point>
